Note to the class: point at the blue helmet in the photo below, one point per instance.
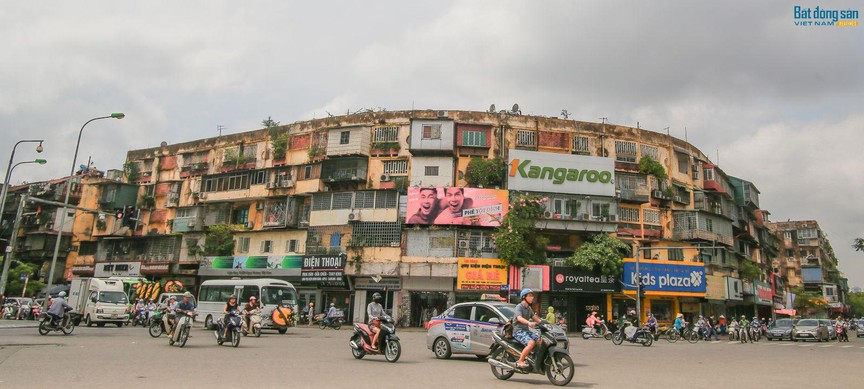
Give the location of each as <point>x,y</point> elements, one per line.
<point>525,292</point>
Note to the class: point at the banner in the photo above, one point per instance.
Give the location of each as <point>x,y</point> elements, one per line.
<point>251,266</point>
<point>481,274</point>
<point>323,268</point>
<point>716,288</point>
<point>566,279</point>
<point>560,173</point>
<point>117,269</point>
<point>457,206</point>
<point>734,289</point>
<point>764,294</point>
<point>663,276</point>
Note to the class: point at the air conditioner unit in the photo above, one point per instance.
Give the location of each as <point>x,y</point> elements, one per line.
<point>385,178</point>
<point>250,225</point>
<point>613,218</point>
<point>259,205</point>
<point>442,114</point>
<point>190,224</point>
<point>463,244</point>
<point>354,216</point>
<point>547,214</point>
<point>288,183</point>
<point>583,216</point>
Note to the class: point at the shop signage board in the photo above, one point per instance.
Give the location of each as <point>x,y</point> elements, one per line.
<point>323,268</point>
<point>560,173</point>
<point>155,268</point>
<point>251,266</point>
<point>716,288</point>
<point>480,274</point>
<point>567,279</point>
<point>367,283</point>
<point>764,294</point>
<point>117,269</point>
<point>734,289</point>
<point>665,276</point>
<point>456,206</point>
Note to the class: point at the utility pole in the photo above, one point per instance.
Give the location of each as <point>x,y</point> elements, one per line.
<point>11,247</point>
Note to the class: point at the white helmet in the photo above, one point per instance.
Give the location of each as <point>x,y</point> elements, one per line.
<point>62,294</point>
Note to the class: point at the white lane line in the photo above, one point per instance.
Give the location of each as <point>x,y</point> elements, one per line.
<point>827,345</point>
<point>787,344</point>
<point>733,342</point>
<point>803,345</point>
<point>845,346</point>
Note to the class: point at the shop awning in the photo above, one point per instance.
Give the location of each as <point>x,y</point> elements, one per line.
<point>787,312</point>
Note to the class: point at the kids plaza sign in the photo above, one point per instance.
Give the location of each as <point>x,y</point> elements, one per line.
<point>560,173</point>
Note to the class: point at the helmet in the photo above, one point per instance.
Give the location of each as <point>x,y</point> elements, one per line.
<point>62,294</point>
<point>172,298</point>
<point>233,296</point>
<point>332,304</point>
<point>253,298</point>
<point>187,294</point>
<point>376,296</point>
<point>525,292</point>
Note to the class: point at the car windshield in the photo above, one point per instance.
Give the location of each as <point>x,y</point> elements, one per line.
<point>25,301</point>
<point>808,323</point>
<point>113,298</point>
<point>508,310</point>
<point>783,323</point>
<point>278,295</point>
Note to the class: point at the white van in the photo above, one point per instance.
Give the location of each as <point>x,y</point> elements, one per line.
<point>99,301</point>
<point>270,292</point>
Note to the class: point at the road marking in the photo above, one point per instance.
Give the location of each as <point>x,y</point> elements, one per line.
<point>803,345</point>
<point>845,346</point>
<point>735,341</point>
<point>715,342</point>
<point>827,345</point>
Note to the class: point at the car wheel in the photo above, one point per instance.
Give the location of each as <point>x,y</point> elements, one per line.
<point>442,349</point>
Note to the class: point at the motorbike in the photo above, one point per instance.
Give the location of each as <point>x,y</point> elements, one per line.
<point>157,324</point>
<point>332,322</point>
<point>9,311</point>
<point>589,332</point>
<point>641,335</point>
<point>66,324</point>
<point>140,318</point>
<point>546,358</point>
<point>842,335</point>
<point>388,342</point>
<point>233,334</point>
<point>563,324</point>
<point>255,323</point>
<point>181,333</point>
<point>24,312</point>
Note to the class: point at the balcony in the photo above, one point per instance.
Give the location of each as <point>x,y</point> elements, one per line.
<point>344,170</point>
<point>702,235</point>
<point>702,226</point>
<point>632,187</point>
<point>194,169</point>
<point>576,213</point>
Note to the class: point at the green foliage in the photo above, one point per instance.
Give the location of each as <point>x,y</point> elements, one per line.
<point>648,165</point>
<point>278,137</point>
<point>856,300</point>
<point>517,240</point>
<point>194,249</point>
<point>315,151</point>
<point>132,171</point>
<point>859,244</point>
<point>749,271</point>
<point>219,241</point>
<point>147,201</point>
<point>14,286</point>
<point>808,300</point>
<point>602,253</point>
<point>232,157</point>
<point>386,146</point>
<point>486,173</point>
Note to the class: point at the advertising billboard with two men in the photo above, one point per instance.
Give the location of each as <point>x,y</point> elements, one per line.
<point>456,206</point>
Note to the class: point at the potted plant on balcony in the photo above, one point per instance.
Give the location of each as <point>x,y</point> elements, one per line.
<point>147,201</point>
<point>385,148</point>
<point>648,165</point>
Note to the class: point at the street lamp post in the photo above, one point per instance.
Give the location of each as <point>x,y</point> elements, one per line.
<point>7,260</point>
<point>66,199</point>
<point>9,168</point>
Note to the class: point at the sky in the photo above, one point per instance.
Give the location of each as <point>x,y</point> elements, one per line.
<point>774,103</point>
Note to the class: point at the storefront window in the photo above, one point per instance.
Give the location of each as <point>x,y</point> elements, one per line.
<point>620,307</point>
<point>425,305</point>
<point>662,309</point>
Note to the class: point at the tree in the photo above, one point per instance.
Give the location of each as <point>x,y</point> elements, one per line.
<point>132,171</point>
<point>856,300</point>
<point>485,172</point>
<point>859,244</point>
<point>805,301</point>
<point>219,241</point>
<point>278,137</point>
<point>602,253</point>
<point>14,286</point>
<point>518,243</point>
<point>749,271</point>
<point>648,165</point>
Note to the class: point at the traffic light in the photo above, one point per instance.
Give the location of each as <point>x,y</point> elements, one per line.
<point>119,214</point>
<point>642,293</point>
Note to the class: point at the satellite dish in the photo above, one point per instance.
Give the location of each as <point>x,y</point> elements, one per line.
<point>515,108</point>
<point>492,108</point>
<point>163,144</point>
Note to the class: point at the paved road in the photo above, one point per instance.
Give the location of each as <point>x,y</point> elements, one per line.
<point>129,357</point>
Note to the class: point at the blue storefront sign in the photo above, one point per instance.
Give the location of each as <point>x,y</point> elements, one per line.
<point>666,277</point>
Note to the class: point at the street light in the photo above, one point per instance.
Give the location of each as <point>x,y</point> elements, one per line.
<point>9,168</point>
<point>116,115</point>
<point>6,260</point>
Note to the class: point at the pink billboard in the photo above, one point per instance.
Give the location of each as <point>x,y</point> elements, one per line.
<point>456,206</point>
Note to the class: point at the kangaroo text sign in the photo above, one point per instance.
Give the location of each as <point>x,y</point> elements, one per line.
<point>560,173</point>
<point>657,276</point>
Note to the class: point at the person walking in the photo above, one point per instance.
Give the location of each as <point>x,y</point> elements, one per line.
<point>550,315</point>
<point>311,314</point>
<point>712,328</point>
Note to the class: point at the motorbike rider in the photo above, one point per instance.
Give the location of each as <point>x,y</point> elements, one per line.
<point>184,308</point>
<point>593,322</point>
<point>652,324</point>
<point>230,306</point>
<point>149,307</point>
<point>680,324</point>
<point>743,326</point>
<point>58,307</point>
<point>522,325</point>
<point>756,327</point>
<point>250,309</point>
<point>331,314</point>
<point>138,309</point>
<point>170,309</point>
<point>374,310</point>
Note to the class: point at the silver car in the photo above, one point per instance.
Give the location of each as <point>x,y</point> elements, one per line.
<point>467,328</point>
<point>810,329</point>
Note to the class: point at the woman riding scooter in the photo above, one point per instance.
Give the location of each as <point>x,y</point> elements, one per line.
<point>230,306</point>
<point>249,310</point>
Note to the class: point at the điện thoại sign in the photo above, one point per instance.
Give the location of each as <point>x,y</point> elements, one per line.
<point>323,268</point>
<point>560,173</point>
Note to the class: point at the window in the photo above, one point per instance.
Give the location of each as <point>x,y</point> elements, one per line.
<point>483,314</point>
<point>580,145</point>
<point>807,233</point>
<point>790,253</point>
<point>240,216</point>
<point>599,210</point>
<point>684,163</point>
<point>376,234</point>
<point>526,138</point>
<point>625,151</point>
<point>243,244</point>
<point>365,199</point>
<point>431,131</point>
<point>344,137</point>
<point>291,246</point>
<point>266,246</point>
<point>385,199</point>
<point>709,225</point>
<point>676,254</point>
<point>259,177</point>
<point>399,166</point>
<point>87,248</point>
<point>385,134</point>
<point>226,182</point>
<point>787,235</point>
<point>321,202</point>
<point>650,151</point>
<point>248,291</point>
<point>307,172</point>
<point>474,138</point>
<point>628,214</point>
<point>430,171</point>
<point>250,153</point>
<point>463,313</point>
<point>651,216</point>
<point>342,200</point>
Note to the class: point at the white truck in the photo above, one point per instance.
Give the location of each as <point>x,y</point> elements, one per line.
<point>99,301</point>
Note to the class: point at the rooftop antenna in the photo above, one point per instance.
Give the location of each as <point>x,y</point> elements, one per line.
<point>718,156</point>
<point>492,108</point>
<point>685,133</point>
<point>637,125</point>
<point>219,128</point>
<point>603,120</point>
<point>667,131</point>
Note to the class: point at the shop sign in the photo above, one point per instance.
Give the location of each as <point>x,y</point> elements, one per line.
<point>657,276</point>
<point>323,268</point>
<point>764,294</point>
<point>560,173</point>
<point>155,267</point>
<point>83,269</point>
<point>734,289</point>
<point>367,283</point>
<point>461,206</point>
<point>251,266</point>
<point>480,274</point>
<point>779,285</point>
<point>117,269</point>
<point>716,289</point>
<point>566,279</point>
